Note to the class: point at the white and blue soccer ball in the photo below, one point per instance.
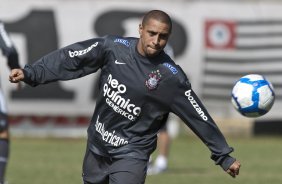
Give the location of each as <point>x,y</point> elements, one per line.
<point>253,95</point>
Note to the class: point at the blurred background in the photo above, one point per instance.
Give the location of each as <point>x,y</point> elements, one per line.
<point>215,41</point>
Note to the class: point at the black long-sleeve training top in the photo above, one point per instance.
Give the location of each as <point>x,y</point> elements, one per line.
<point>8,48</point>
<point>135,93</point>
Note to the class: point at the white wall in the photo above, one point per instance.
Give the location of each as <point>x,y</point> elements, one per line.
<point>74,21</point>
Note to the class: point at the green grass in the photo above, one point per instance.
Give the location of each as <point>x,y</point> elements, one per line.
<point>190,162</point>
<point>45,161</point>
<point>59,161</point>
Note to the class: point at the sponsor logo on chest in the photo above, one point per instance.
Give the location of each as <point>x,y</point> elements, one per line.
<point>114,92</point>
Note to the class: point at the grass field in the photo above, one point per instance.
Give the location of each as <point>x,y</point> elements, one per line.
<point>58,161</point>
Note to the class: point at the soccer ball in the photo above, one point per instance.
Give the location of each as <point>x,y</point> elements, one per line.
<point>253,95</point>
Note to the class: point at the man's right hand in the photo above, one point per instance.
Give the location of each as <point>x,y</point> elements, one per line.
<point>16,75</point>
<point>234,169</point>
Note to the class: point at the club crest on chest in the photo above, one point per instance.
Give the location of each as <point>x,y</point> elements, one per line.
<point>153,81</point>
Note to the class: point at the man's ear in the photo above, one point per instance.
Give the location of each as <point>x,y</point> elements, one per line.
<point>140,29</point>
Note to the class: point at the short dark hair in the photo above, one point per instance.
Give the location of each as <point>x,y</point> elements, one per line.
<point>157,15</point>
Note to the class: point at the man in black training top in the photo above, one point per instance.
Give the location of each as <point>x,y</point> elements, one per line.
<point>139,84</point>
<point>9,51</point>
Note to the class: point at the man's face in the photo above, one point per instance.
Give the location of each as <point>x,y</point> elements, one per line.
<point>153,37</point>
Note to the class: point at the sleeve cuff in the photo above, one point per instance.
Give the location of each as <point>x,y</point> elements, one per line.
<point>27,76</point>
<point>227,162</point>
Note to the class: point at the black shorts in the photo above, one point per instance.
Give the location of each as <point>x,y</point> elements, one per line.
<point>103,170</point>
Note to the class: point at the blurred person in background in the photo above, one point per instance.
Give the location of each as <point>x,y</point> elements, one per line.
<point>139,84</point>
<point>9,51</point>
